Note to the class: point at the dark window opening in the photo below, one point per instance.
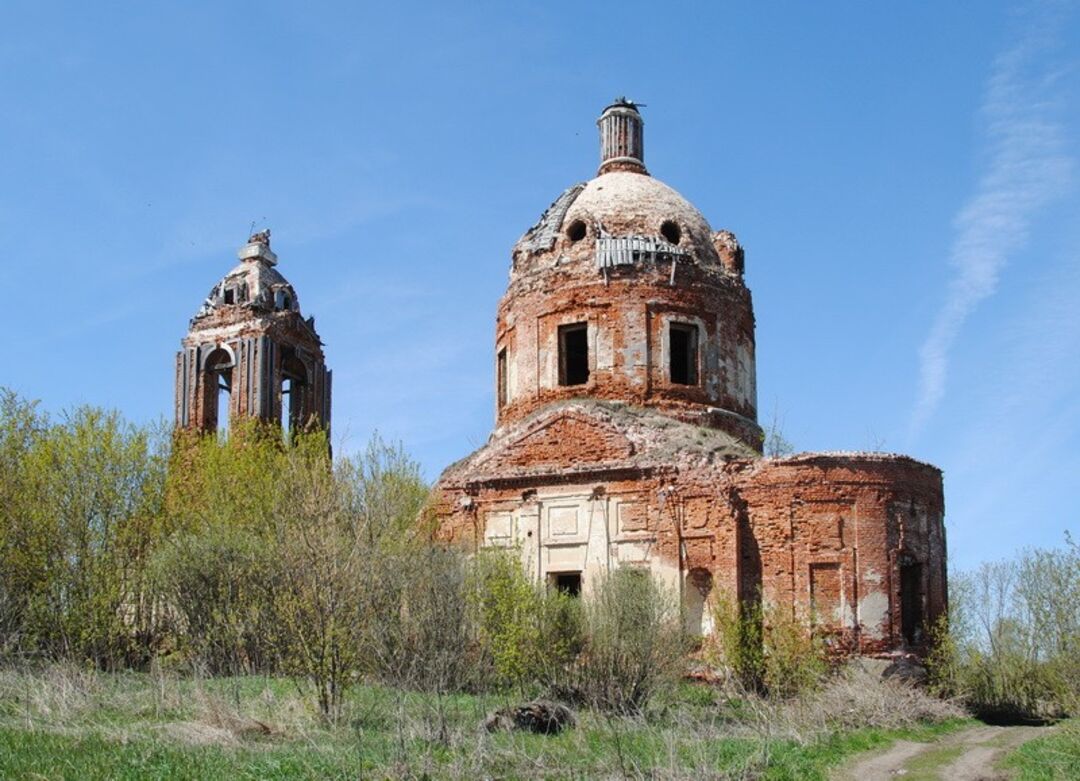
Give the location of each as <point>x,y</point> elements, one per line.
<point>574,354</point>
<point>683,345</point>
<point>230,296</point>
<point>671,231</point>
<point>911,608</point>
<point>568,583</point>
<point>501,380</point>
<point>576,231</point>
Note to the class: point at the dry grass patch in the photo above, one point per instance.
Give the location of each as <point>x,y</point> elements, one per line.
<point>856,697</point>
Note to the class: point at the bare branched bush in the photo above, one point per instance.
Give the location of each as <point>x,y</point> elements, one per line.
<point>632,645</point>
<point>342,536</point>
<point>423,634</point>
<point>215,591</point>
<point>1011,647</point>
<point>856,697</point>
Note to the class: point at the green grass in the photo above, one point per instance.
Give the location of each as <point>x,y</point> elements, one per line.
<point>37,754</point>
<point>70,725</point>
<point>1055,757</point>
<point>791,762</point>
<point>928,766</point>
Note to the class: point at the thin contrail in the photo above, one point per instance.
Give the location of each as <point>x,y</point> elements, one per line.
<point>1026,169</point>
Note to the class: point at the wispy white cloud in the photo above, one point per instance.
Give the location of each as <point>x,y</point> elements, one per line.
<point>1026,169</point>
<point>1013,464</point>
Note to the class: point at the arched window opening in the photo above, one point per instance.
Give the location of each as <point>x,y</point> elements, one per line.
<point>293,381</point>
<point>501,380</point>
<point>217,391</point>
<point>287,397</point>
<point>224,397</point>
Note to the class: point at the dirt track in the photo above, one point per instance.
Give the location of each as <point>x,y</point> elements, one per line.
<point>969,755</point>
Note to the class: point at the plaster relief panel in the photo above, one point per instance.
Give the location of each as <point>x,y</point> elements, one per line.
<point>632,517</point>
<point>565,558</point>
<point>499,529</point>
<point>564,523</point>
<point>633,552</point>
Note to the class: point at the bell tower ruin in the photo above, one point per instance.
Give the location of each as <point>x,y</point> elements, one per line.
<point>250,353</point>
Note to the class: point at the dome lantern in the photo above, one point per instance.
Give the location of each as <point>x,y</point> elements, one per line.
<point>622,139</point>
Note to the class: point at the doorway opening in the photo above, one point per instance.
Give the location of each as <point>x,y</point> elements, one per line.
<point>568,583</point>
<point>911,602</point>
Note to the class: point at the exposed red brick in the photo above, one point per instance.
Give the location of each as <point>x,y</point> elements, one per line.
<point>634,469</point>
<point>250,325</point>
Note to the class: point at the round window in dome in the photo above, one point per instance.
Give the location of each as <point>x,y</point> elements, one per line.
<point>576,231</point>
<point>671,231</point>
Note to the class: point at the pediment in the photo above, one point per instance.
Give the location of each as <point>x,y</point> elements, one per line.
<point>567,439</point>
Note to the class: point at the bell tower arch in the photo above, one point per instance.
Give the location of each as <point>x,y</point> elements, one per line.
<point>249,352</point>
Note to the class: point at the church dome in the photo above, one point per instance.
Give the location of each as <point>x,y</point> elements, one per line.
<point>624,215</point>
<point>623,211</point>
<point>254,283</point>
<point>627,203</point>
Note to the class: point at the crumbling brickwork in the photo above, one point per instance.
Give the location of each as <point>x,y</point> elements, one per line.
<point>248,347</point>
<point>626,430</point>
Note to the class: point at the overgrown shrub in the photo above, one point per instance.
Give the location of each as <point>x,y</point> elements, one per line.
<point>737,642</point>
<point>345,541</point>
<point>768,649</point>
<point>795,656</point>
<point>423,635</point>
<point>23,546</point>
<point>215,594</point>
<point>1011,647</point>
<point>79,510</point>
<point>506,606</point>
<point>632,644</point>
<point>529,635</point>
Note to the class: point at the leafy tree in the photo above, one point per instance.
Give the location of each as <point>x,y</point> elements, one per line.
<point>1011,647</point>
<point>83,500</point>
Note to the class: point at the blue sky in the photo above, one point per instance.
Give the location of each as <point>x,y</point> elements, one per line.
<point>904,180</point>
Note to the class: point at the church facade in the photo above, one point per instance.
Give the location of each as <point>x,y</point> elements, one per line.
<point>626,430</point>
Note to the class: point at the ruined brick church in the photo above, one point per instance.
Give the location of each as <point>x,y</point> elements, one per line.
<point>626,420</point>
<point>627,435</point>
